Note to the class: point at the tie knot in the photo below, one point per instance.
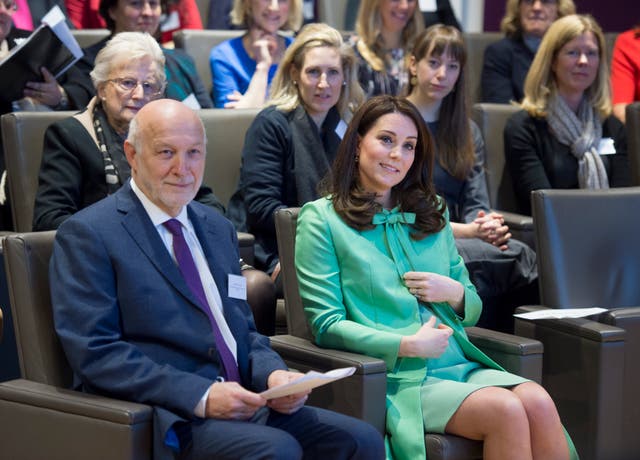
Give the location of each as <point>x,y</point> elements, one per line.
<point>174,226</point>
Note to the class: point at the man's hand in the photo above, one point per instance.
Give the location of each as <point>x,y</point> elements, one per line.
<point>286,404</point>
<point>230,401</point>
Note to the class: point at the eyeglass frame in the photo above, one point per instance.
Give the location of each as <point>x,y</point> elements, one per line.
<point>118,82</point>
<point>544,2</point>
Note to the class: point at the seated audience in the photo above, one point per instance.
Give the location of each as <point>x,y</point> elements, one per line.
<point>507,61</point>
<point>379,274</point>
<point>499,266</point>
<point>144,312</point>
<point>386,30</point>
<point>625,71</point>
<point>566,136</point>
<point>291,144</point>
<point>183,83</point>
<point>242,68</point>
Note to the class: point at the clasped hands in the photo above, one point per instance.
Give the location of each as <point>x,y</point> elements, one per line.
<point>490,227</point>
<point>231,401</point>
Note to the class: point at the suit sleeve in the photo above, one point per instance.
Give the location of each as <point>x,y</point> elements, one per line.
<point>496,75</point>
<point>59,194</point>
<point>88,321</point>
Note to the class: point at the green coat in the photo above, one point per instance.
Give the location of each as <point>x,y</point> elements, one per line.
<point>355,299</point>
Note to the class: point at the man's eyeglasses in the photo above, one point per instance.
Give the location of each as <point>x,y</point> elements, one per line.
<point>544,2</point>
<point>9,5</point>
<point>127,85</point>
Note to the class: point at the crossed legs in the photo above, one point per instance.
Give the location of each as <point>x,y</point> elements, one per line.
<point>519,423</point>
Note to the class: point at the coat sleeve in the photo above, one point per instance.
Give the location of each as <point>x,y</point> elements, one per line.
<point>59,194</point>
<point>522,157</point>
<point>319,273</point>
<point>496,75</point>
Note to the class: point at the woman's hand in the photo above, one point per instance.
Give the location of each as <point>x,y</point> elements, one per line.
<point>490,228</point>
<point>47,92</point>
<point>431,287</point>
<point>264,47</point>
<point>428,342</point>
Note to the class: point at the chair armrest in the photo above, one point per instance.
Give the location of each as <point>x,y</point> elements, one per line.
<point>74,402</point>
<point>245,247</point>
<point>580,327</point>
<point>361,395</point>
<point>43,421</point>
<point>519,355</point>
<point>309,356</point>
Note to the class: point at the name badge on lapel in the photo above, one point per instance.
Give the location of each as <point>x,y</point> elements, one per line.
<point>606,146</point>
<point>237,287</point>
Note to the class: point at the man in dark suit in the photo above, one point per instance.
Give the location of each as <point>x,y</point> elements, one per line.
<point>134,325</point>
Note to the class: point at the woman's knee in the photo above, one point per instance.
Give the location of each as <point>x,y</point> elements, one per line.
<point>536,401</point>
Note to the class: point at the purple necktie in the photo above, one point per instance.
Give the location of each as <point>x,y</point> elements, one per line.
<point>192,277</point>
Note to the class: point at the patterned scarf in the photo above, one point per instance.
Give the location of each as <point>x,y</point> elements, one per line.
<point>116,168</point>
<point>582,133</point>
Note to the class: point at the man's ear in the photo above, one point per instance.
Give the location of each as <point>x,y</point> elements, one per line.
<point>130,153</point>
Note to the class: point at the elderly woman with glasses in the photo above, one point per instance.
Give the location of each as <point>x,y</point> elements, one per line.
<point>507,61</point>
<point>83,159</point>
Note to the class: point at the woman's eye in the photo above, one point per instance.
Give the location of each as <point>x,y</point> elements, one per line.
<point>409,146</point>
<point>313,72</point>
<point>386,139</point>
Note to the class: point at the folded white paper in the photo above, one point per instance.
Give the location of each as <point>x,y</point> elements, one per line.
<point>560,313</point>
<point>308,381</point>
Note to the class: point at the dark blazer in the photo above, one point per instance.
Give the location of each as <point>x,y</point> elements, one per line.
<point>505,67</point>
<point>283,159</point>
<point>537,160</point>
<point>129,324</point>
<point>72,175</point>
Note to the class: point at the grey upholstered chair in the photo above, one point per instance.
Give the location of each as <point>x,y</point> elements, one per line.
<point>491,119</point>
<point>363,395</point>
<point>39,417</point>
<point>589,255</point>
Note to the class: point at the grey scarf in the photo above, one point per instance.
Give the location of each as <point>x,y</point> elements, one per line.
<point>582,133</point>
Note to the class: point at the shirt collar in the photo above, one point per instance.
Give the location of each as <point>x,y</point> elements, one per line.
<point>157,215</point>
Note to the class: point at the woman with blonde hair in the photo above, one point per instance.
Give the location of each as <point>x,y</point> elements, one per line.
<point>243,67</point>
<point>566,136</point>
<point>507,61</point>
<point>291,143</point>
<point>502,269</point>
<point>385,32</point>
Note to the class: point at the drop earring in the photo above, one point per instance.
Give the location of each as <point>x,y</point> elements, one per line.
<point>414,80</point>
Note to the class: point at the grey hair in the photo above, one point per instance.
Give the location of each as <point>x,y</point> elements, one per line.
<point>125,47</point>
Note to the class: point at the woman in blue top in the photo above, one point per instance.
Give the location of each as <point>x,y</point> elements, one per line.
<point>243,67</point>
<point>502,269</point>
<point>379,274</point>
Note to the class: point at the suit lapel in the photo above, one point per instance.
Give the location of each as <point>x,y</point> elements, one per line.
<point>136,222</point>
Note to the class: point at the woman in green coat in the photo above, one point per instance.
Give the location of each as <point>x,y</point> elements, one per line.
<point>379,274</point>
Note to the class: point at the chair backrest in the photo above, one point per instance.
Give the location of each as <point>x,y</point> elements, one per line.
<point>198,44</point>
<point>339,14</point>
<point>587,255</point>
<point>633,140</point>
<point>23,134</point>
<point>87,37</point>
<point>286,223</point>
<point>476,42</point>
<point>491,119</point>
<point>26,259</point>
<point>225,130</point>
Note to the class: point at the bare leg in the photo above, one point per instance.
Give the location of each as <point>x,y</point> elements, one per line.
<point>547,437</point>
<point>497,417</point>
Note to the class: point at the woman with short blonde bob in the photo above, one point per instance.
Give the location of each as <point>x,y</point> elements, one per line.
<point>243,68</point>
<point>291,143</point>
<point>386,30</point>
<point>566,136</point>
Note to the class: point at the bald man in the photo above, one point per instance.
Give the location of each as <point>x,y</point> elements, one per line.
<point>146,303</point>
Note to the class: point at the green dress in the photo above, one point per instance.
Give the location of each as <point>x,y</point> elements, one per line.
<point>355,299</point>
